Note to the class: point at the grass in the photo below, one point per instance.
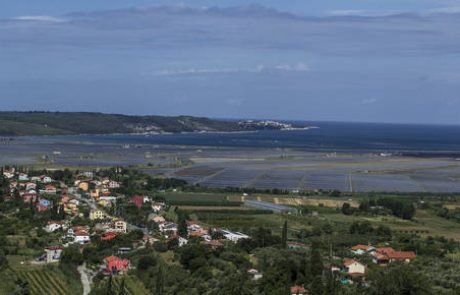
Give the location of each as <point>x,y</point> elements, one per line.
<point>133,286</point>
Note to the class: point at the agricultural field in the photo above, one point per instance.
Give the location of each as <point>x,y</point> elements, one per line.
<point>46,280</point>
<point>132,286</point>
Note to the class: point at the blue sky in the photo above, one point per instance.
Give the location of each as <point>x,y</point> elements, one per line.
<point>379,61</point>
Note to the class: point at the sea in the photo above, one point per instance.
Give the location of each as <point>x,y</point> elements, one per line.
<point>325,136</point>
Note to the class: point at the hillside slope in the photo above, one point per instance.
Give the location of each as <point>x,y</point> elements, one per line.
<point>61,123</point>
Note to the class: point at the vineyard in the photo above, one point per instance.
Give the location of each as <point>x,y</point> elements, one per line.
<point>44,281</point>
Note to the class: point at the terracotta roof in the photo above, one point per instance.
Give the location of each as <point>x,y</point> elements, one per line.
<point>298,289</point>
<point>347,262</point>
<point>385,250</point>
<point>402,255</point>
<point>54,248</point>
<point>360,247</point>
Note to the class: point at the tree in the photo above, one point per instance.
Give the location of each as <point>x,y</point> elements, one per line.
<point>284,236</point>
<point>317,286</point>
<point>182,229</point>
<point>400,279</point>
<point>109,290</point>
<point>3,260</point>
<point>122,287</point>
<point>346,209</point>
<point>316,262</point>
<point>160,282</point>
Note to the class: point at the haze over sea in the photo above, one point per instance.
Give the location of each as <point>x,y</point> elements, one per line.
<point>330,136</point>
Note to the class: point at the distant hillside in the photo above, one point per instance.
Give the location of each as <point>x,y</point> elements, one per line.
<point>60,123</point>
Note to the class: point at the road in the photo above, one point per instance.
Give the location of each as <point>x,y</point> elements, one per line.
<point>85,278</point>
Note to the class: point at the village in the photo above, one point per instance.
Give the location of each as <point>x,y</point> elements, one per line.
<point>85,209</point>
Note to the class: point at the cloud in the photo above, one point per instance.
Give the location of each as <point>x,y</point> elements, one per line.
<point>299,67</point>
<point>40,18</point>
<point>369,101</point>
<point>362,12</point>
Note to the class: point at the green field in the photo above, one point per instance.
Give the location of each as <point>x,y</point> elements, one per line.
<point>46,280</point>
<point>132,286</point>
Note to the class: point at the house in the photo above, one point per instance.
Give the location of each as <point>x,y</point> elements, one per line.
<point>46,179</point>
<point>83,185</point>
<point>120,226</point>
<point>110,235</point>
<point>361,249</point>
<point>138,201</point>
<point>385,255</point>
<point>53,226</point>
<point>31,186</point>
<point>298,290</point>
<point>29,198</point>
<point>88,174</point>
<point>115,265</point>
<point>181,241</point>
<point>354,268</point>
<point>149,239</point>
<point>23,177</point>
<point>113,184</point>
<point>50,190</point>
<point>94,193</point>
<point>233,236</point>
<point>43,205</point>
<point>402,256</point>
<point>157,206</point>
<point>158,219</point>
<point>96,215</point>
<point>255,274</point>
<point>168,227</point>
<point>8,173</point>
<point>53,254</point>
<point>81,237</point>
<point>213,244</point>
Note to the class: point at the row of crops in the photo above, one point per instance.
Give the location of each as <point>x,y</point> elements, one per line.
<point>43,281</point>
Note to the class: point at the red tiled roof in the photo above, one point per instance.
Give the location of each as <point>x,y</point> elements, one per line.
<point>348,262</point>
<point>402,255</point>
<point>360,247</point>
<point>298,290</point>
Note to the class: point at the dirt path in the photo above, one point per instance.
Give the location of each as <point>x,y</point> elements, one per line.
<point>85,281</point>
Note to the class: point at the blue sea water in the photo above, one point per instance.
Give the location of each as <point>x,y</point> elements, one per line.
<point>329,136</point>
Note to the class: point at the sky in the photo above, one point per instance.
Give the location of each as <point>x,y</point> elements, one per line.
<point>331,60</point>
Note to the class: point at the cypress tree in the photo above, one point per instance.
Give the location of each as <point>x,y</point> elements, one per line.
<point>284,236</point>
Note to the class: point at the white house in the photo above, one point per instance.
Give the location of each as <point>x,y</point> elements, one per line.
<point>354,268</point>
<point>362,249</point>
<point>120,226</point>
<point>113,184</point>
<point>8,175</point>
<point>23,177</point>
<point>234,236</point>
<point>182,242</point>
<point>81,237</point>
<point>46,179</point>
<point>53,226</point>
<point>53,253</point>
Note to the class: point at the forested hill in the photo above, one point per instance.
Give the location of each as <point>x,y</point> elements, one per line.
<point>62,123</point>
